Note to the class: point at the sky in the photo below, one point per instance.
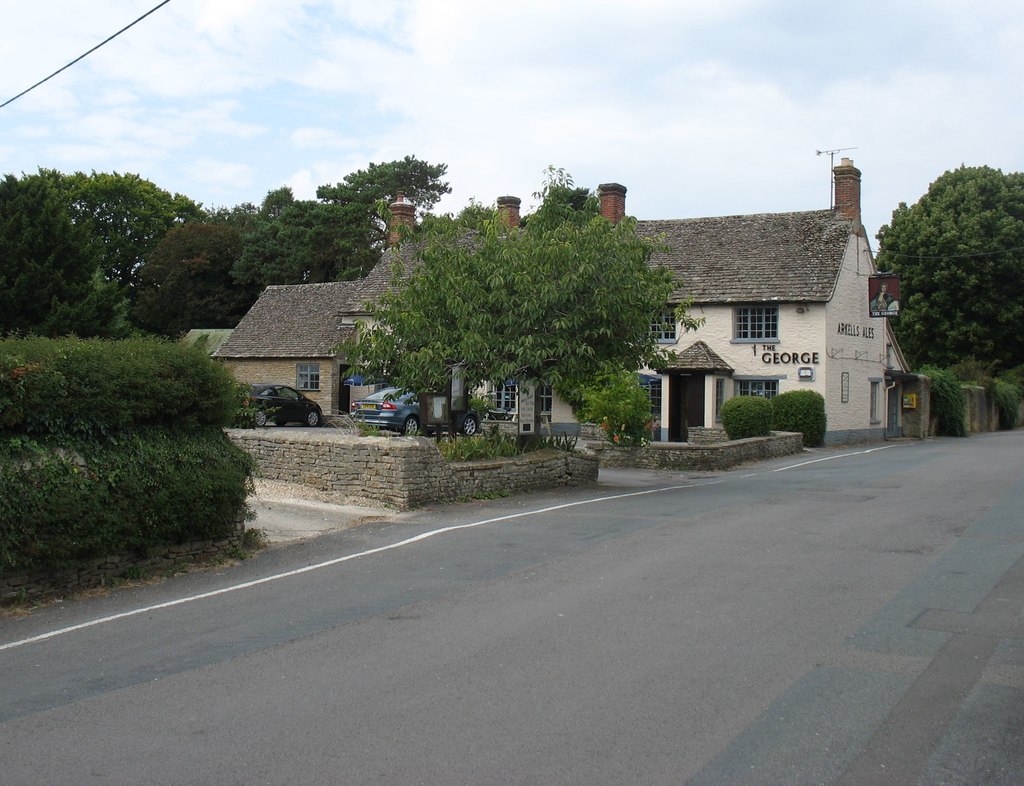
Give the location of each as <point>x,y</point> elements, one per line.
<point>698,107</point>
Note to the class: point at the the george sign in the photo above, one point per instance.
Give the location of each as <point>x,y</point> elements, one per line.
<point>884,295</point>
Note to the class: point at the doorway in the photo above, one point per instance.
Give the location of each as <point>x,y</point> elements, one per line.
<point>893,401</point>
<point>685,405</point>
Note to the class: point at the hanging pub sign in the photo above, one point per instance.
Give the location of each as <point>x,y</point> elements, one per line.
<point>884,295</point>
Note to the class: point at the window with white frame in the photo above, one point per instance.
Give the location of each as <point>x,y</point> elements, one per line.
<point>307,376</point>
<point>654,393</point>
<point>756,323</point>
<point>765,388</point>
<point>506,395</point>
<point>663,326</point>
<point>876,390</point>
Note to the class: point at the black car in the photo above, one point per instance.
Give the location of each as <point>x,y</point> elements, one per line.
<point>283,404</point>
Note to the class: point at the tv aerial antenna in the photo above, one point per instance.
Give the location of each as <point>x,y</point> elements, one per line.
<point>832,171</point>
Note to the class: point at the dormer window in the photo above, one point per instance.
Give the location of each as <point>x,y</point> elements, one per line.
<point>663,326</point>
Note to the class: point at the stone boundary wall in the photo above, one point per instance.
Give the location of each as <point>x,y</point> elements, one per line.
<point>401,472</point>
<point>97,572</point>
<point>687,456</point>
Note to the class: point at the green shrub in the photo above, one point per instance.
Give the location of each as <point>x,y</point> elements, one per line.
<point>747,416</point>
<point>70,501</point>
<point>1007,398</point>
<point>620,406</point>
<point>802,411</point>
<point>72,388</point>
<point>244,415</point>
<point>947,402</point>
<point>490,445</point>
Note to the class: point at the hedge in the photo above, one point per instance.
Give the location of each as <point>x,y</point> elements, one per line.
<point>113,447</point>
<point>71,388</point>
<point>62,503</point>
<point>802,411</point>
<point>747,416</point>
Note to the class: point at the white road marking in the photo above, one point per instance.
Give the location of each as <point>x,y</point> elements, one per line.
<point>399,544</point>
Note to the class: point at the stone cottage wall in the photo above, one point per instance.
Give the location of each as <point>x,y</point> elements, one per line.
<point>401,472</point>
<point>711,456</point>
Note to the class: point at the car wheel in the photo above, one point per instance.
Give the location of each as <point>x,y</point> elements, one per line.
<point>313,418</point>
<point>411,424</point>
<point>261,419</point>
<point>470,425</point>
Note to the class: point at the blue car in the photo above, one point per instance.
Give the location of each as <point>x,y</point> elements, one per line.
<point>394,410</point>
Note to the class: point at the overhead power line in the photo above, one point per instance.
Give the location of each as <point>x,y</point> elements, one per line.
<point>83,56</point>
<point>952,256</point>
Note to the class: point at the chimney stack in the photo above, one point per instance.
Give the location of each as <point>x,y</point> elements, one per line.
<point>508,211</point>
<point>613,201</point>
<point>847,184</point>
<point>403,214</point>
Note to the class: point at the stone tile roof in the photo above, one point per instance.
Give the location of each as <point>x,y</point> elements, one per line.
<point>697,357</point>
<point>762,257</point>
<point>378,280</point>
<point>300,320</point>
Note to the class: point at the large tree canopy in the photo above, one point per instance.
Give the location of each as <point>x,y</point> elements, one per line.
<point>50,282</point>
<point>187,281</point>
<point>565,298</point>
<point>293,241</point>
<point>125,217</point>
<point>960,255</point>
<point>337,237</point>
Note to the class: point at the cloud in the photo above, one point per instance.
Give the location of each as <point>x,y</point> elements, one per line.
<point>699,107</point>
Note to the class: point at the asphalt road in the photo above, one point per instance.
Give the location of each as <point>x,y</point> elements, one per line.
<point>849,616</point>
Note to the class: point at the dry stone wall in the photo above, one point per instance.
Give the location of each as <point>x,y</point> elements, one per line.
<point>103,570</point>
<point>713,456</point>
<point>400,472</point>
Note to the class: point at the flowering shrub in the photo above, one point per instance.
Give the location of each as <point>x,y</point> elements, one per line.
<point>621,407</point>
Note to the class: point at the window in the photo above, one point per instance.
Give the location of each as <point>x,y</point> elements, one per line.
<point>757,323</point>
<point>766,388</point>
<point>844,387</point>
<point>546,397</point>
<point>719,398</point>
<point>876,388</point>
<point>307,376</point>
<point>663,326</point>
<point>654,392</point>
<point>505,396</point>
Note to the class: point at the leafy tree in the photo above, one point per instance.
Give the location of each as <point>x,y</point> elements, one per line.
<point>419,181</point>
<point>337,237</point>
<point>50,282</point>
<point>960,255</point>
<point>569,297</point>
<point>620,406</point>
<point>187,282</point>
<point>125,216</point>
<point>363,192</point>
<point>292,241</point>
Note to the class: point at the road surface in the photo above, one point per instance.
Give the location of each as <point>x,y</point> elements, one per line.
<point>845,616</point>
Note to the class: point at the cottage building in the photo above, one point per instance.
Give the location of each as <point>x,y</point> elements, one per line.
<point>290,335</point>
<point>784,298</point>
